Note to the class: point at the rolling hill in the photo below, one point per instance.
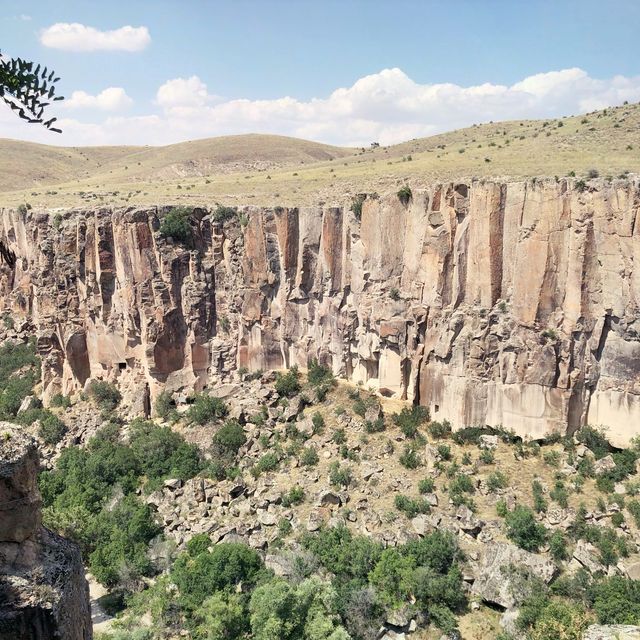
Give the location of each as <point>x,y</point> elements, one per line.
<point>278,170</point>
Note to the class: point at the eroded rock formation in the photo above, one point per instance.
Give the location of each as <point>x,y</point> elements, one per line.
<point>508,304</point>
<point>43,590</point>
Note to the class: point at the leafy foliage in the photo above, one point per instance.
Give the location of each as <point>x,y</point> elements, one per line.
<point>28,90</point>
<point>523,530</point>
<point>206,408</point>
<point>176,224</point>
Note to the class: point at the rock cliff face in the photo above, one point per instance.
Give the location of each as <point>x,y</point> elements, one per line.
<point>508,304</point>
<point>43,591</point>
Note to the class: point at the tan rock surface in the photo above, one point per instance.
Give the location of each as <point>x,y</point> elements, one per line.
<point>508,304</point>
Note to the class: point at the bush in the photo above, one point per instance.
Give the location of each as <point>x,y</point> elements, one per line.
<point>105,395</point>
<point>444,451</point>
<point>633,507</point>
<point>410,458</point>
<point>221,213</point>
<point>440,429</point>
<point>426,485</point>
<point>287,384</point>
<point>411,507</point>
<point>164,405</point>
<point>206,408</point>
<point>268,462</point>
<point>309,457</point>
<point>176,224</point>
<point>377,426</point>
<point>523,530</point>
<point>410,419</point>
<point>225,567</point>
<point>558,546</point>
<point>405,194</point>
<point>318,374</point>
<point>163,453</point>
<point>539,503</point>
<point>497,481</point>
<point>228,439</point>
<point>293,497</point>
<point>356,205</point>
<point>339,476</point>
<point>60,400</point>
<point>616,600</point>
<point>318,423</point>
<point>51,429</point>
<point>339,436</point>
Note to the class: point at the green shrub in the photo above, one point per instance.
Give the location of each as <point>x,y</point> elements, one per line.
<point>560,494</point>
<point>440,429</point>
<point>223,568</point>
<point>206,408</point>
<point>409,420</point>
<point>163,453</point>
<point>497,481</point>
<point>411,507</point>
<point>593,440</point>
<point>51,429</point>
<point>287,384</point>
<point>284,527</point>
<point>356,205</point>
<point>176,224</point>
<point>523,530</point>
<point>633,507</point>
<point>339,476</point>
<point>339,436</point>
<point>539,503</point>
<point>105,395</point>
<point>221,213</point>
<point>616,600</point>
<point>164,405</point>
<point>318,374</point>
<point>558,546</point>
<point>444,451</point>
<point>426,485</point>
<point>309,457</point>
<point>294,496</point>
<point>405,194</point>
<point>268,462</point>
<point>487,456</point>
<point>228,439</point>
<point>377,426</point>
<point>410,458</point>
<point>318,423</point>
<point>60,400</point>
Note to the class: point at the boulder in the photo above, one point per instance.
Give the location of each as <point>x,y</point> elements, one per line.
<point>502,572</point>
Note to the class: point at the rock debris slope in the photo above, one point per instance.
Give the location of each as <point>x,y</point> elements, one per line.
<point>510,304</point>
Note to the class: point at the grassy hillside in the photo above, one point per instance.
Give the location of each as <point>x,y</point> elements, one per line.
<point>271,170</point>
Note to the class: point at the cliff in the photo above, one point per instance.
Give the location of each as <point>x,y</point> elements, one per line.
<point>492,303</point>
<point>43,591</point>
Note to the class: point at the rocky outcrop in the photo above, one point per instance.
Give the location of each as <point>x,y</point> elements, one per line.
<point>43,591</point>
<point>612,632</point>
<point>503,304</point>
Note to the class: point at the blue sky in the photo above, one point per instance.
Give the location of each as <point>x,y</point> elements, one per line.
<point>261,52</point>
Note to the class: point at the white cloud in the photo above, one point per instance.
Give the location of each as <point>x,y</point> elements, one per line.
<point>111,99</point>
<point>24,17</point>
<point>183,92</point>
<point>387,107</point>
<point>79,37</point>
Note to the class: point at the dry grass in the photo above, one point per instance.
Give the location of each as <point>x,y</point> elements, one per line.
<point>273,170</point>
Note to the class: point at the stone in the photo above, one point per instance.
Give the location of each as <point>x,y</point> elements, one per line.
<point>587,555</point>
<point>633,570</point>
<point>612,632</point>
<point>489,442</point>
<point>603,465</point>
<point>329,498</point>
<point>266,518</point>
<point>496,584</point>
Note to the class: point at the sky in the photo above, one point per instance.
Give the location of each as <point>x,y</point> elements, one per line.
<point>346,72</point>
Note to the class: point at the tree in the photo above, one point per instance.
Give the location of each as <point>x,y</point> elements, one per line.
<point>28,90</point>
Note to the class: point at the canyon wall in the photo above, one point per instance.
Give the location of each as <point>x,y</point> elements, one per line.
<point>509,304</point>
<point>43,591</point>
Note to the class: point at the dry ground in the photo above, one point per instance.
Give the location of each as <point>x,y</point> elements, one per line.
<point>274,170</point>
